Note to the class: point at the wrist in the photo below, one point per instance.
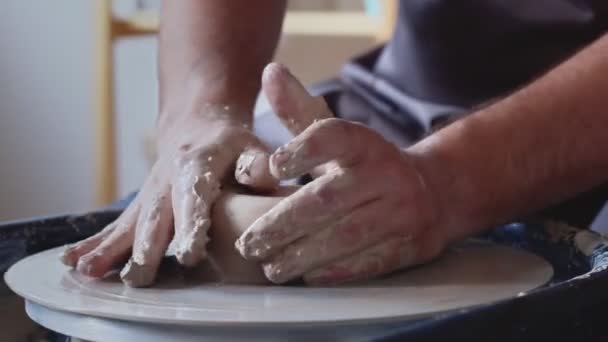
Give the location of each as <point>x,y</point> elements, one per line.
<point>442,185</point>
<point>200,100</point>
<point>219,114</point>
<point>179,128</point>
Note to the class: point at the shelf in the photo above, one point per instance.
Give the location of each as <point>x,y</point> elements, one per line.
<point>356,24</point>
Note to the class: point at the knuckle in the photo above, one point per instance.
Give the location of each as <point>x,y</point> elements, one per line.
<point>98,256</point>
<point>336,126</point>
<point>72,249</point>
<point>123,233</point>
<point>352,233</point>
<point>329,189</point>
<point>324,193</point>
<point>339,178</point>
<point>273,272</point>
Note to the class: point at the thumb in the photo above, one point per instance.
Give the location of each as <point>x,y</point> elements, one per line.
<point>294,106</point>
<point>252,169</point>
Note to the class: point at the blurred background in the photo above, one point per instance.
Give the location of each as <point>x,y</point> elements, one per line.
<point>78,98</point>
<point>78,90</point>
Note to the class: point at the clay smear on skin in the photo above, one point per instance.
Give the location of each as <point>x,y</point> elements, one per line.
<point>287,221</point>
<point>192,245</point>
<point>245,164</point>
<point>137,271</point>
<point>150,222</point>
<point>295,260</point>
<point>293,154</point>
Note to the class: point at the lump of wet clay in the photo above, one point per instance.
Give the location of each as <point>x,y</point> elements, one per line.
<point>232,214</point>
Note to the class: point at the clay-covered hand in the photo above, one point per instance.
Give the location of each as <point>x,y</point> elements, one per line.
<point>368,212</point>
<point>171,213</point>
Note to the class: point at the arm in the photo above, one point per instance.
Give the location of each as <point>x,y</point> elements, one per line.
<point>211,58</point>
<point>546,142</point>
<point>214,52</point>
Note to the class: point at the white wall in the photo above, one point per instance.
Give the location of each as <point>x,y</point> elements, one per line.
<point>136,108</point>
<point>45,101</point>
<point>46,117</point>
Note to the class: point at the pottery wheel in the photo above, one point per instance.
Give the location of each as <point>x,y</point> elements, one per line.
<point>468,275</point>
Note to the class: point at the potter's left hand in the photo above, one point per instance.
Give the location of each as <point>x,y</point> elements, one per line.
<point>368,211</point>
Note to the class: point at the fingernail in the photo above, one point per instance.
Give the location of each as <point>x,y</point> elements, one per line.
<point>272,70</point>
<point>281,156</point>
<point>244,164</point>
<point>251,248</point>
<point>137,275</point>
<point>84,267</point>
<point>275,273</point>
<point>241,243</point>
<point>66,257</point>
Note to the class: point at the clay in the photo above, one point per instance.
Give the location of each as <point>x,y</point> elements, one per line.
<point>232,214</point>
<point>197,192</point>
<point>252,169</point>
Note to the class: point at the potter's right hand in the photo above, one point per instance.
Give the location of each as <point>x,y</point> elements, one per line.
<point>196,156</point>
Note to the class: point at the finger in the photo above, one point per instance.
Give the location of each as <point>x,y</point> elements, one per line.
<point>72,253</point>
<point>152,237</point>
<point>252,169</point>
<point>194,190</point>
<point>324,141</point>
<point>383,258</point>
<point>313,207</point>
<point>292,103</point>
<point>112,250</point>
<point>353,233</point>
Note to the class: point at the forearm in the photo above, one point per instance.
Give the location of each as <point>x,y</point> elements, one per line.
<point>544,143</point>
<point>213,52</point>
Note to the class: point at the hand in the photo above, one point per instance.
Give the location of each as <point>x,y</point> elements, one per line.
<point>368,212</point>
<point>196,156</point>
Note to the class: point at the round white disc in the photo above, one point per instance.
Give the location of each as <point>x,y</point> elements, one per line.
<point>466,276</point>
